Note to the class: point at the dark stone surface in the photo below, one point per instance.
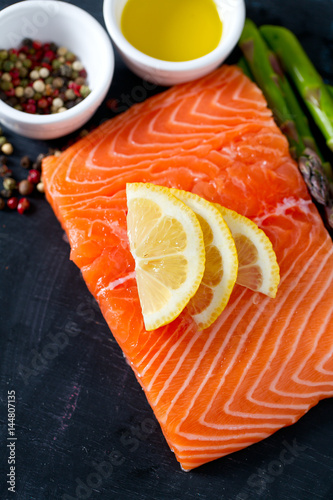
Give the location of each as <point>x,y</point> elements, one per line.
<point>77,401</point>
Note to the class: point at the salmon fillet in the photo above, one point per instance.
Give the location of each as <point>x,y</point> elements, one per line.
<point>264,362</point>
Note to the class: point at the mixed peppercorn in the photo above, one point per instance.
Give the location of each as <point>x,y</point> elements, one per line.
<point>41,78</point>
<point>13,194</point>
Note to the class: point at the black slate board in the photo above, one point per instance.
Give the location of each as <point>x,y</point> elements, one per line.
<point>84,428</point>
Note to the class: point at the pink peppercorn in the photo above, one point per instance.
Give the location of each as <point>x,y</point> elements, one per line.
<point>49,54</point>
<point>12,202</point>
<point>37,45</point>
<point>10,92</point>
<point>47,65</point>
<point>30,108</point>
<point>14,73</point>
<point>34,176</point>
<point>42,103</point>
<point>23,205</point>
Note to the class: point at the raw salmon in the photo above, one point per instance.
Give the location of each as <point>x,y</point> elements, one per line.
<point>264,362</point>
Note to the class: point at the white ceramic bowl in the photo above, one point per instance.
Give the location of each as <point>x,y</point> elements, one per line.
<point>232,14</point>
<point>65,25</point>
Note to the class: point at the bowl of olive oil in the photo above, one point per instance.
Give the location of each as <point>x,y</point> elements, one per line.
<point>174,41</point>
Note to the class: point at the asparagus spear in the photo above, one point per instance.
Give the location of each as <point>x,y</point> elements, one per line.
<point>274,85</point>
<point>255,53</point>
<point>242,64</point>
<point>330,89</point>
<point>307,80</point>
<point>300,119</point>
<point>294,106</point>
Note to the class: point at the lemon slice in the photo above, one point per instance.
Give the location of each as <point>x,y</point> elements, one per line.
<point>257,264</point>
<point>167,244</point>
<point>221,261</point>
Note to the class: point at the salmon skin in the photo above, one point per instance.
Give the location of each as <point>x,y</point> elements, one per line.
<point>264,362</point>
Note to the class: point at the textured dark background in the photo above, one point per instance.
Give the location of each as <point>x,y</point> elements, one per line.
<point>78,403</point>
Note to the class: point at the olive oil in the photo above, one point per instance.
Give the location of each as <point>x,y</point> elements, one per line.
<point>172,30</point>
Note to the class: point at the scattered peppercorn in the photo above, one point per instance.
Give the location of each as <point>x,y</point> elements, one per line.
<point>34,176</point>
<point>36,74</point>
<point>6,193</point>
<point>25,187</point>
<point>9,183</point>
<point>4,170</point>
<point>2,203</point>
<point>12,202</point>
<point>7,148</point>
<point>25,162</point>
<point>40,187</point>
<point>23,205</point>
<point>39,159</point>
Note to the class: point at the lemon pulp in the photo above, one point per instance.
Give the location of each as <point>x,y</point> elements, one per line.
<point>172,30</point>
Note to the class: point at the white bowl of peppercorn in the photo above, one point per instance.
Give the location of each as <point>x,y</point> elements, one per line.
<point>56,67</point>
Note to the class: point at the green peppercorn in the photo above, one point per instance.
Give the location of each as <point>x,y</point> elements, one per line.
<point>27,63</point>
<point>23,72</point>
<point>6,85</point>
<point>8,65</point>
<point>3,140</point>
<point>84,91</point>
<point>70,57</point>
<point>56,64</point>
<point>9,184</point>
<point>3,54</point>
<point>24,82</point>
